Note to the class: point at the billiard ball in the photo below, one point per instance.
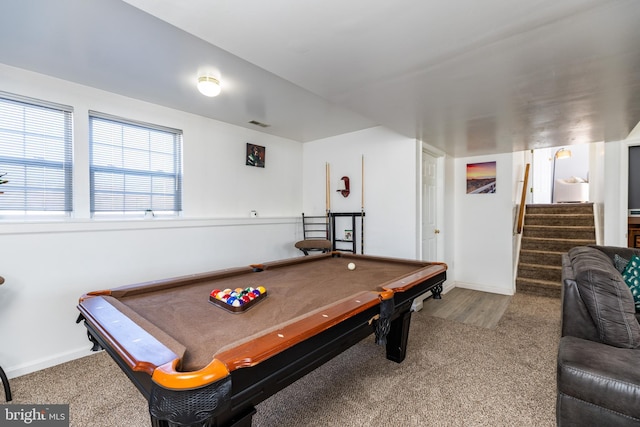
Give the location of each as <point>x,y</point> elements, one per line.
<point>351,266</point>
<point>262,289</point>
<point>215,292</point>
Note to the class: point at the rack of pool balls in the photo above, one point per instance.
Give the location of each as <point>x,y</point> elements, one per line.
<point>237,300</point>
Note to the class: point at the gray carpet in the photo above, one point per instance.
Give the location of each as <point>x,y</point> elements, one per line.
<point>454,375</point>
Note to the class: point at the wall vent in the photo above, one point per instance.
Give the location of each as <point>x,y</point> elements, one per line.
<point>257,123</point>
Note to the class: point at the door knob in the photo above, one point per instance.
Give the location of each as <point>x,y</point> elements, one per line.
<point>436,231</point>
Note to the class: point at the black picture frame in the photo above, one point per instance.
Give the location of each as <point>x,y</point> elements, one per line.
<point>255,155</point>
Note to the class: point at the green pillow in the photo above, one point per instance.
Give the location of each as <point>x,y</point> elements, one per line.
<point>631,276</point>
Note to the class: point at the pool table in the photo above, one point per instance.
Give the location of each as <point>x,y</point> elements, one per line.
<point>199,364</point>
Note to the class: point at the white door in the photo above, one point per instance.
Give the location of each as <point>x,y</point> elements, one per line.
<point>429,207</point>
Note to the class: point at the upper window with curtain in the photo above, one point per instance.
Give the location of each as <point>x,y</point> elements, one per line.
<point>136,168</point>
<point>35,157</point>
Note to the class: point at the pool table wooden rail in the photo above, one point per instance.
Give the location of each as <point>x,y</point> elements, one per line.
<point>158,360</point>
<point>158,285</point>
<point>144,352</point>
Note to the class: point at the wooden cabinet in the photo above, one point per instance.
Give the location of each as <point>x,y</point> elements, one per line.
<point>633,231</point>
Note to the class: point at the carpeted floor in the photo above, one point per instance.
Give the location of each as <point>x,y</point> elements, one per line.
<point>455,374</point>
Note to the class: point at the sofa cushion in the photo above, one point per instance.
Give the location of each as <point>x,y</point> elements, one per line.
<point>631,276</point>
<point>607,297</point>
<point>606,378</point>
<point>611,251</point>
<point>620,263</point>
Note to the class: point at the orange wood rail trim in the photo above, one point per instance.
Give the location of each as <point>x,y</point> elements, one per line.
<point>407,282</point>
<point>106,292</point>
<point>142,352</point>
<point>168,377</point>
<point>263,347</point>
<point>137,348</point>
<point>523,198</point>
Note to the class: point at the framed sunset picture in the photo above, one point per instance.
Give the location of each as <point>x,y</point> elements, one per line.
<point>481,178</point>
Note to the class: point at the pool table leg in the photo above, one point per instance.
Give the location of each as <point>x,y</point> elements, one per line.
<point>398,337</point>
<point>239,420</point>
<point>436,291</point>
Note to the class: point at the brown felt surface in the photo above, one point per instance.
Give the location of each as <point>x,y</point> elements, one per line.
<point>186,314</point>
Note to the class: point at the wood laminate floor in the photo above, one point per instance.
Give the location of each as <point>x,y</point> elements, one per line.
<point>467,306</point>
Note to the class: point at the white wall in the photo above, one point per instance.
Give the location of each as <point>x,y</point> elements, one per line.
<point>48,265</point>
<point>389,186</point>
<point>616,175</point>
<point>483,228</point>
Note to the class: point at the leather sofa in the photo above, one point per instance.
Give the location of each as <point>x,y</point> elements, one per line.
<point>598,372</point>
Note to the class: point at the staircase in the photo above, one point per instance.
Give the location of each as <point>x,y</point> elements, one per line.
<point>548,232</point>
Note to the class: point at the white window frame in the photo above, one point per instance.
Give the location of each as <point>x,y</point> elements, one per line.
<point>36,154</point>
<point>122,179</point>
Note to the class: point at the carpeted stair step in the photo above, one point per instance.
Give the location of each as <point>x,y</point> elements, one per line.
<point>538,287</point>
<point>560,232</point>
<point>552,273</point>
<point>553,245</point>
<point>585,220</point>
<point>561,208</point>
<point>528,256</point>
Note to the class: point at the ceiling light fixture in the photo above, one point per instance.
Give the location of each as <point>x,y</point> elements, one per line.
<point>209,85</point>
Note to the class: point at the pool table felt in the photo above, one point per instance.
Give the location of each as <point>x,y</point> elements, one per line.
<point>186,315</point>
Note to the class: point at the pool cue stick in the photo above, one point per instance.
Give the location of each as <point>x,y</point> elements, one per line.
<point>362,208</point>
<point>326,189</point>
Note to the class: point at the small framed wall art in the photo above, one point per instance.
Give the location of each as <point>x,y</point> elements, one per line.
<point>255,155</point>
<point>481,178</point>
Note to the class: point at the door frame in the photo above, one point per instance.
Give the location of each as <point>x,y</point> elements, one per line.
<point>424,149</point>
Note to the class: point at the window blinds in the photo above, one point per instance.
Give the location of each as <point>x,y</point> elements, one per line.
<point>135,167</point>
<point>35,155</point>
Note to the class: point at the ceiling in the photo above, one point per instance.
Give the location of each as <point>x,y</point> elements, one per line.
<point>466,77</point>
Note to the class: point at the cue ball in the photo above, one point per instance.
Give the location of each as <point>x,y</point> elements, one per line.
<point>351,266</point>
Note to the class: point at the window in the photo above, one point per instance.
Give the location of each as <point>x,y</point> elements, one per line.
<point>35,156</point>
<point>135,167</point>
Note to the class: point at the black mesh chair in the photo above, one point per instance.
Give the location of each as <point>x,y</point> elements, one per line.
<point>3,376</point>
<point>316,234</point>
